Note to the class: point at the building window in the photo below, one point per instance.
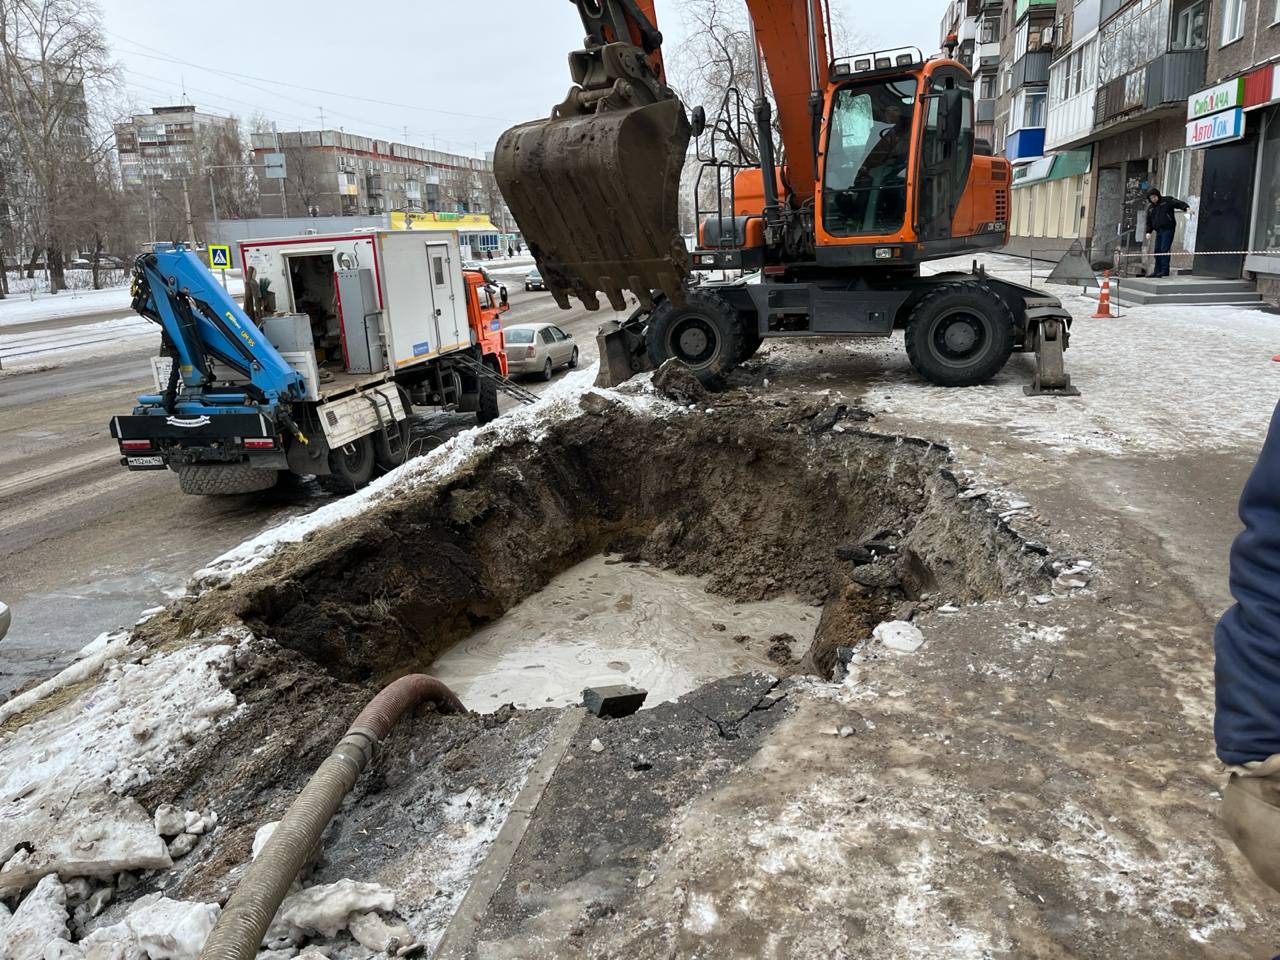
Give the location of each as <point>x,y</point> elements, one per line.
<point>991,30</point>
<point>1189,26</point>
<point>1177,173</point>
<point>1232,21</point>
<point>987,87</point>
<point>1266,234</point>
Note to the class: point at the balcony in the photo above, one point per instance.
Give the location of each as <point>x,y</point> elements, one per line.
<point>988,64</point>
<point>986,111</point>
<point>1174,77</point>
<point>1166,81</point>
<point>1025,144</point>
<point>1020,7</point>
<point>1032,69</point>
<point>373,185</point>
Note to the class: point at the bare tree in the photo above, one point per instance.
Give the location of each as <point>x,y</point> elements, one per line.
<point>51,51</point>
<point>310,178</point>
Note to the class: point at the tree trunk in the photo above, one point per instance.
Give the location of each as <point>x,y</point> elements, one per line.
<point>57,268</point>
<point>97,253</point>
<point>4,275</point>
<point>31,267</point>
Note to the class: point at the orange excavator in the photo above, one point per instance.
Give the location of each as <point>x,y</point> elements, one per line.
<point>877,170</point>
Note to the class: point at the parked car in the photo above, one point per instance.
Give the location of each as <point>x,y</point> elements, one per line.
<point>533,280</point>
<point>539,348</point>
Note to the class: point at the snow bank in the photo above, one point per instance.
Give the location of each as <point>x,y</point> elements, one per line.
<point>33,306</point>
<point>526,423</point>
<point>64,776</point>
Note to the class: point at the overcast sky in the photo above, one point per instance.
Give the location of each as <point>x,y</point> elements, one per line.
<point>449,73</point>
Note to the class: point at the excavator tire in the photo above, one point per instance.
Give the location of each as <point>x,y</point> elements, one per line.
<point>224,479</point>
<point>959,334</point>
<point>704,333</point>
<point>751,338</point>
<point>351,467</point>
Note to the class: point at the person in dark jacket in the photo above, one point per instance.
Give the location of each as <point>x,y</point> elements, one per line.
<point>1162,222</point>
<point>1247,671</point>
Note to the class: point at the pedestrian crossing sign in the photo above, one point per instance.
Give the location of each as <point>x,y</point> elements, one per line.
<point>219,257</point>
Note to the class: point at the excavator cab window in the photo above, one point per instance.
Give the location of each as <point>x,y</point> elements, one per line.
<point>867,158</point>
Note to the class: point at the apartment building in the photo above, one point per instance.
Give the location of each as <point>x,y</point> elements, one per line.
<point>333,173</point>
<point>166,144</point>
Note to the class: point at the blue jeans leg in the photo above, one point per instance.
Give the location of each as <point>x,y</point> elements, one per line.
<point>1164,243</point>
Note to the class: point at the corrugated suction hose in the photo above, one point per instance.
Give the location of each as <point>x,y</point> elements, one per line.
<point>244,920</point>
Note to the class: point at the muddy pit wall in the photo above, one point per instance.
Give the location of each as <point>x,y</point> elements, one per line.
<point>751,498</point>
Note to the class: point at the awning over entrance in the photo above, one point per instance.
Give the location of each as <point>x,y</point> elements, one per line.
<point>1072,163</point>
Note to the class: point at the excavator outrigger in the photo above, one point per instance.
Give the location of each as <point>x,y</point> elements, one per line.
<point>877,171</point>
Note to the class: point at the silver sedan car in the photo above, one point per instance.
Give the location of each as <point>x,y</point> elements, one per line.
<point>539,348</point>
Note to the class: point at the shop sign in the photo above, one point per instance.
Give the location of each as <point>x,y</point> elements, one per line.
<point>1216,129</point>
<point>1222,97</point>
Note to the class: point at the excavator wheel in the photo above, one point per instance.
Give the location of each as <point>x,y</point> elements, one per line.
<point>959,334</point>
<point>751,338</point>
<point>704,333</point>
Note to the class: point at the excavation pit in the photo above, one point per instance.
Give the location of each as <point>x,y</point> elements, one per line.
<point>785,502</point>
<point>608,621</point>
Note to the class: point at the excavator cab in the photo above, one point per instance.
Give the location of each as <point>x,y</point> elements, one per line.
<point>610,158</point>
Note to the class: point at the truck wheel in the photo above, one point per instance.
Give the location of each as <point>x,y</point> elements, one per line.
<point>704,334</point>
<point>383,455</point>
<point>351,467</point>
<point>223,479</point>
<point>959,334</point>
<point>488,410</point>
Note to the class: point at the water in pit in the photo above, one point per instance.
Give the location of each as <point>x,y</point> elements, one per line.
<point>605,622</point>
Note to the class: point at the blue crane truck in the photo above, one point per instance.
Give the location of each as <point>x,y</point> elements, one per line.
<point>373,324</point>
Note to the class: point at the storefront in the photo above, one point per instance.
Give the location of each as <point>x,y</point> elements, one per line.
<point>476,233</point>
<point>1265,232</point>
<point>1048,204</point>
<point>1237,125</point>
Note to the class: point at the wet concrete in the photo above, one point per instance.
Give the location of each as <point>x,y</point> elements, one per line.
<point>605,621</point>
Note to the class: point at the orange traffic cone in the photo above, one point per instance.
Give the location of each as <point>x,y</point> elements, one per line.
<point>1104,296</point>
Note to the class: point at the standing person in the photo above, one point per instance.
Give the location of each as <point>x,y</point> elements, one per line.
<point>519,247</point>
<point>1246,725</point>
<point>510,253</point>
<point>1162,222</point>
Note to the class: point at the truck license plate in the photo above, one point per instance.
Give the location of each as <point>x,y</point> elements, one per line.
<point>146,461</point>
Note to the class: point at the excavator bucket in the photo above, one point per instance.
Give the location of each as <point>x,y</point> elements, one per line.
<point>596,197</point>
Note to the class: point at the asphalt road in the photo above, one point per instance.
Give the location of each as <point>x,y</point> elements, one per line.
<point>87,546</point>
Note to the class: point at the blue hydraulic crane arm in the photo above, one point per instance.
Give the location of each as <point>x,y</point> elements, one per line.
<point>202,322</point>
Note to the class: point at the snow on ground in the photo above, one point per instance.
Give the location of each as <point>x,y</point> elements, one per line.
<point>1160,379</point>
<point>64,776</point>
<point>19,351</point>
<point>529,422</point>
<point>42,305</point>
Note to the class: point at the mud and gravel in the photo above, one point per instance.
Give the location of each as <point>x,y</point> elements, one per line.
<point>759,498</point>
